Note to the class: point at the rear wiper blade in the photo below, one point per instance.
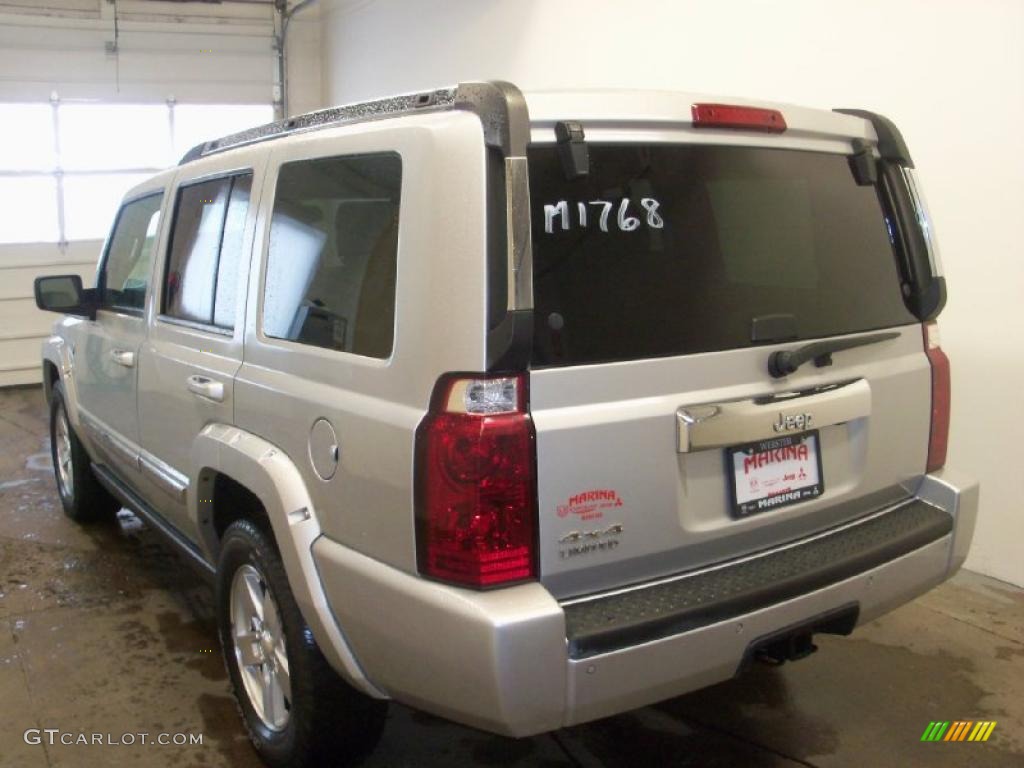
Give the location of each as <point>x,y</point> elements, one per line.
<point>785,362</point>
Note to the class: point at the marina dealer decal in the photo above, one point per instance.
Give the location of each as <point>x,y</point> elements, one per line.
<point>775,473</point>
<point>590,505</point>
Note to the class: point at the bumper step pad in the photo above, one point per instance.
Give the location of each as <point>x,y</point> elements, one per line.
<point>643,614</point>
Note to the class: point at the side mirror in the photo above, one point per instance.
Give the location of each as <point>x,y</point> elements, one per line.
<point>64,294</point>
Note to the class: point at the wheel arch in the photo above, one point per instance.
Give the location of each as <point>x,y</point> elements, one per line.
<point>51,377</point>
<point>57,365</point>
<point>266,472</point>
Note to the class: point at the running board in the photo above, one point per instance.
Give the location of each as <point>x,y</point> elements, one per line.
<point>156,521</point>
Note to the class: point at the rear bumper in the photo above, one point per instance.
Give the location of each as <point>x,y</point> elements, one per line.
<point>517,662</point>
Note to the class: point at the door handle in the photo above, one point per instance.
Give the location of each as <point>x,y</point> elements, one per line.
<point>123,357</point>
<point>206,387</point>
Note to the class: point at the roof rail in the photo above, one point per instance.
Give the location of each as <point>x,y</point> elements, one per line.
<point>323,118</point>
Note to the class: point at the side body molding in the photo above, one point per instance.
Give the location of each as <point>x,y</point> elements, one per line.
<point>268,472</point>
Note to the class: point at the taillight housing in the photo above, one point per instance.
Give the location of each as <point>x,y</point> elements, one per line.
<point>939,439</point>
<point>476,499</point>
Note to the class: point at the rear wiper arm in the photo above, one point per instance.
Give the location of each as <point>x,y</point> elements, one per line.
<point>785,362</point>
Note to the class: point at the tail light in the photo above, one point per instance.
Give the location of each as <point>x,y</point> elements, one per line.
<point>476,511</point>
<point>939,439</point>
<point>742,118</point>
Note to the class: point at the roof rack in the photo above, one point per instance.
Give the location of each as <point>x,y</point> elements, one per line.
<point>323,118</point>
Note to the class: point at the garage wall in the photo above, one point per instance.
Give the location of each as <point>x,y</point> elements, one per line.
<point>215,53</point>
<point>950,73</point>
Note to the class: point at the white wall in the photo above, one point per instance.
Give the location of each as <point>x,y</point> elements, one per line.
<point>193,52</point>
<point>949,72</point>
<point>305,91</point>
<point>22,326</point>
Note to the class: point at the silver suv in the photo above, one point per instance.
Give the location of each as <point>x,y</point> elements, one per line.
<point>521,410</point>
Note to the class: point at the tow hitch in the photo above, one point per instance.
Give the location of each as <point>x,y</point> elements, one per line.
<point>792,648</point>
<point>797,641</point>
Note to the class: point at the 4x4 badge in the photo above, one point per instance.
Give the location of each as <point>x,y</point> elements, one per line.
<point>800,421</point>
<point>573,536</point>
<point>576,543</point>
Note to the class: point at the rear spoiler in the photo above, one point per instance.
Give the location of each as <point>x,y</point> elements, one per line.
<point>924,287</point>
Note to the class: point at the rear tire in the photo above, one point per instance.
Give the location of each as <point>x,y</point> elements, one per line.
<point>83,498</point>
<point>296,709</point>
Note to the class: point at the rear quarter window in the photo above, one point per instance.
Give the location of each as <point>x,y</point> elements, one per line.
<point>674,249</point>
<point>332,258</point>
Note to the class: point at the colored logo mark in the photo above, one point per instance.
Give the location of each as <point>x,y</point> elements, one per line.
<point>959,730</point>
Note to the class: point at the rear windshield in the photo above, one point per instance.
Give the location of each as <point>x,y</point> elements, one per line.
<point>674,249</point>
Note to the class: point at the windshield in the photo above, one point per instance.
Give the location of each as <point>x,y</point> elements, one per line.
<point>675,249</point>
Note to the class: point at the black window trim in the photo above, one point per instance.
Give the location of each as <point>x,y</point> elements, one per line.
<point>327,353</point>
<point>161,315</point>
<point>101,272</point>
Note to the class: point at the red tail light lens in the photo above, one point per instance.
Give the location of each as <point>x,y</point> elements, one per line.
<point>742,118</point>
<point>939,439</point>
<point>475,489</point>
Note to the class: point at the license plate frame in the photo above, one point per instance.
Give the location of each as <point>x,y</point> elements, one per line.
<point>748,502</point>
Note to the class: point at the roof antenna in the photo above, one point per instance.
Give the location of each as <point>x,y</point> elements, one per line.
<point>572,149</point>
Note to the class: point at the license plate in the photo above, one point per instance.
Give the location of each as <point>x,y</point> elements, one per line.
<point>775,473</point>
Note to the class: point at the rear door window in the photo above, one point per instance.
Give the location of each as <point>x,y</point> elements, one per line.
<point>674,249</point>
<point>232,266</point>
<point>204,258</point>
<point>333,252</point>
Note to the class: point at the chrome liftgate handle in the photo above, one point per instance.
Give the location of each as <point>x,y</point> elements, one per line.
<point>734,422</point>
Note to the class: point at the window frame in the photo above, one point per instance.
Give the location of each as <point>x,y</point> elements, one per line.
<point>161,314</point>
<point>101,267</point>
<point>270,184</point>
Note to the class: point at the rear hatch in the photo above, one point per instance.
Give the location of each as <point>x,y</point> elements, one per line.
<point>664,280</point>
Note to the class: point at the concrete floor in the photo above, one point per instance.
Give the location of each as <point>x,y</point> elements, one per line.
<point>104,630</point>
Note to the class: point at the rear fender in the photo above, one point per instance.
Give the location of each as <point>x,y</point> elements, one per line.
<point>268,473</point>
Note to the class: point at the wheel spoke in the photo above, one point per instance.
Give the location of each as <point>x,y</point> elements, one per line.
<point>260,648</point>
<point>63,465</point>
<point>280,706</point>
<point>269,695</point>
<point>268,612</point>
<point>252,594</point>
<point>283,673</point>
<point>248,647</point>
